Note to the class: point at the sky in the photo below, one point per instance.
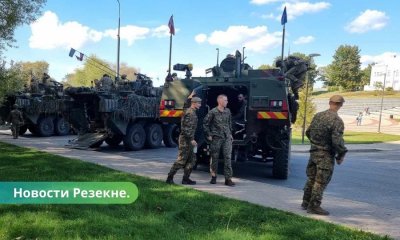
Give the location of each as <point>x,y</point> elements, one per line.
<point>203,26</point>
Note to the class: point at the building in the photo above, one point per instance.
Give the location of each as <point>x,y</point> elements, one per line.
<point>388,73</point>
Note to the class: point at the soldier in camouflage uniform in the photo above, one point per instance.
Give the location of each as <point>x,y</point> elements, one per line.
<point>16,120</point>
<point>187,144</point>
<point>326,136</point>
<point>106,82</point>
<point>218,130</point>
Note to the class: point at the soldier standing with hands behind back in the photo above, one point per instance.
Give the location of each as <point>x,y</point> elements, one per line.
<point>218,130</point>
<point>326,136</point>
<point>16,120</point>
<point>187,144</point>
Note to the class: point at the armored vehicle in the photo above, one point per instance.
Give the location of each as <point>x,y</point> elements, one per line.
<point>128,112</point>
<point>41,105</point>
<point>262,131</point>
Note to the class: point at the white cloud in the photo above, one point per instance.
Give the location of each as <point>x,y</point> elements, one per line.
<point>304,40</point>
<point>296,9</point>
<point>368,20</point>
<point>49,33</point>
<point>161,31</point>
<point>130,33</point>
<point>255,39</point>
<point>384,58</point>
<point>268,16</point>
<point>200,38</point>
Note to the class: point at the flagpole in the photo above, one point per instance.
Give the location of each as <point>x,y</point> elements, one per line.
<point>283,41</point>
<point>170,51</point>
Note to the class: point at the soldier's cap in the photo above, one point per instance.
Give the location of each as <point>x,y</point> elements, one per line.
<point>196,99</point>
<point>337,99</point>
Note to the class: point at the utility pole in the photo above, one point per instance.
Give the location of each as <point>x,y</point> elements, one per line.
<point>119,37</point>
<point>383,94</point>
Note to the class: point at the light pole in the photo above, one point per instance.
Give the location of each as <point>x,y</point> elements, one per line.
<point>217,56</point>
<point>119,37</point>
<point>383,94</point>
<point>306,98</point>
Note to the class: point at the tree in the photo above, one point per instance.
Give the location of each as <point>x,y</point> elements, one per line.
<point>344,71</point>
<point>266,66</point>
<point>10,80</point>
<point>13,14</point>
<point>32,69</point>
<point>95,68</point>
<point>310,112</point>
<point>366,75</point>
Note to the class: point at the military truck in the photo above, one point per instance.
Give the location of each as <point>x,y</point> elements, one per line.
<point>128,113</point>
<point>41,106</point>
<point>264,132</point>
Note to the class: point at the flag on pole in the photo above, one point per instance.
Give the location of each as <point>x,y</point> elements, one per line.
<point>72,52</point>
<point>171,25</point>
<point>284,17</point>
<point>80,58</point>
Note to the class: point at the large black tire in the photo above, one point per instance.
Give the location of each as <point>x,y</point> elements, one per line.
<point>171,135</point>
<point>23,129</point>
<point>97,145</point>
<point>135,137</point>
<point>280,168</point>
<point>61,127</point>
<point>114,141</point>
<point>33,130</point>
<point>45,127</point>
<point>154,135</point>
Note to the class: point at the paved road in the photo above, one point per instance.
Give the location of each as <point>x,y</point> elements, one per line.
<point>364,193</point>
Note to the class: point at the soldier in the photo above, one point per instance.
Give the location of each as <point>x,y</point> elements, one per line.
<point>218,130</point>
<point>16,119</point>
<point>326,136</point>
<point>295,71</point>
<point>187,144</point>
<point>239,116</point>
<point>106,82</point>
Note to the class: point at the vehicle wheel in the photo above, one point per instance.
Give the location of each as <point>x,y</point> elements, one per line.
<point>45,127</point>
<point>114,141</point>
<point>97,144</point>
<point>33,130</point>
<point>280,168</point>
<point>154,135</point>
<point>171,135</point>
<point>135,137</point>
<point>23,129</point>
<point>61,127</point>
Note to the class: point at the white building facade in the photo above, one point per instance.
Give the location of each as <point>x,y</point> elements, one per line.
<point>388,73</point>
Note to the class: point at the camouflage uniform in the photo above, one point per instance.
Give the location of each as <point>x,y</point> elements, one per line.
<point>218,125</point>
<point>16,119</point>
<point>326,136</point>
<point>296,69</point>
<point>186,156</point>
<point>106,83</point>
<point>239,116</point>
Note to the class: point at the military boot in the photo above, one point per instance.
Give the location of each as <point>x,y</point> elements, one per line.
<point>317,210</point>
<point>213,180</point>
<point>228,182</point>
<point>188,181</point>
<point>304,205</point>
<point>170,179</point>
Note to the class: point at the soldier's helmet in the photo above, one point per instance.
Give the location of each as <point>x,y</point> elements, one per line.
<point>196,99</point>
<point>45,75</point>
<point>15,106</point>
<point>337,99</point>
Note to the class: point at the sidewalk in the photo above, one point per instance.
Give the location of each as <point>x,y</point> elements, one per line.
<point>387,146</point>
<point>347,212</point>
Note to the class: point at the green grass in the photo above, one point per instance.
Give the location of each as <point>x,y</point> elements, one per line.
<point>353,137</point>
<point>161,212</point>
<point>357,94</point>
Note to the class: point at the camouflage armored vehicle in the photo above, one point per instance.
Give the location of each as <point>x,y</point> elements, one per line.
<point>128,112</point>
<point>41,105</point>
<point>262,132</point>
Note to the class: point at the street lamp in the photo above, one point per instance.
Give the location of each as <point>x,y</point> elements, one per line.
<point>383,94</point>
<point>119,37</point>
<point>306,99</point>
<point>217,56</point>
